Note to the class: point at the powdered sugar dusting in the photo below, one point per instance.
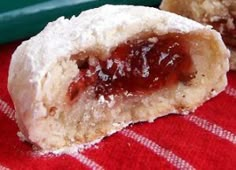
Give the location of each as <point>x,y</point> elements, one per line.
<point>96,27</point>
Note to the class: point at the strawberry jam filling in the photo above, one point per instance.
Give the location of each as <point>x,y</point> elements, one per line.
<point>138,66</point>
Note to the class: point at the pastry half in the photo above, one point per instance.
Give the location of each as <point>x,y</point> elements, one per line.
<point>221,14</point>
<point>82,79</point>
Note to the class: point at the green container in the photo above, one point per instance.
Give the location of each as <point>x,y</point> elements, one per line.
<point>20,19</point>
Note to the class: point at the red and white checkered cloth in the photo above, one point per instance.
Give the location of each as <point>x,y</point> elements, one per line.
<point>206,139</point>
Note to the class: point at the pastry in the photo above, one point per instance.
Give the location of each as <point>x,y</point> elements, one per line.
<point>221,14</point>
<point>82,79</point>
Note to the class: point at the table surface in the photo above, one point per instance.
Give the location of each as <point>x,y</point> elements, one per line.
<point>205,139</point>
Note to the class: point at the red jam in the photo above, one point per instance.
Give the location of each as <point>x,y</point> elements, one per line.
<point>138,66</point>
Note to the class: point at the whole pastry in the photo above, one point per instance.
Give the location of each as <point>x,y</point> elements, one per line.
<point>87,77</point>
<point>221,14</point>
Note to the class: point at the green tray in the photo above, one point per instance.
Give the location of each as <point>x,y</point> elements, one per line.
<point>20,19</point>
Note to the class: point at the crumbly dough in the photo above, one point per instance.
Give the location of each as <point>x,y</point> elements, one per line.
<point>206,11</point>
<point>41,71</point>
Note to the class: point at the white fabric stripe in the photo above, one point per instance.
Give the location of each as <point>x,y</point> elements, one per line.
<point>175,160</point>
<point>3,168</point>
<point>6,109</point>
<point>213,128</point>
<point>86,161</point>
<point>230,91</point>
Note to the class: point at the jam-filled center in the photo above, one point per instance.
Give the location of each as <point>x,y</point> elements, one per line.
<point>139,66</point>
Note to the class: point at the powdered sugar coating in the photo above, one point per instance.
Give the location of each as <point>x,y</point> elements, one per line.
<point>104,27</point>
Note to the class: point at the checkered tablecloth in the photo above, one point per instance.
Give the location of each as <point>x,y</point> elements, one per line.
<point>205,139</point>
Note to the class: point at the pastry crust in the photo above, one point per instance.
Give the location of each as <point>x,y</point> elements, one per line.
<point>208,12</point>
<point>41,71</point>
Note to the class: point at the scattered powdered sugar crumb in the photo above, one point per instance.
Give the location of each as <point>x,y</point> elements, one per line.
<point>110,102</point>
<point>21,136</point>
<point>153,40</point>
<point>74,149</point>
